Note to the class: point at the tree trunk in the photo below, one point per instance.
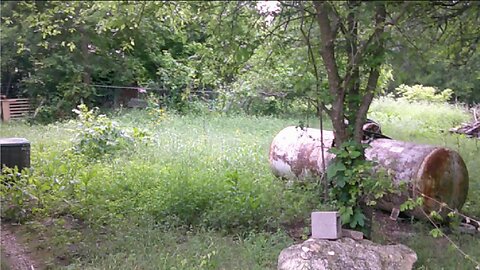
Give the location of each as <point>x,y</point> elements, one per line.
<point>327,36</point>
<point>348,99</point>
<point>86,76</point>
<point>352,80</point>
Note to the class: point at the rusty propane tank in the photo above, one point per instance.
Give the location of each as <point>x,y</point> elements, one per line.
<point>437,173</point>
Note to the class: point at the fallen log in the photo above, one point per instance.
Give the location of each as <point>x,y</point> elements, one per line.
<point>438,174</point>
<point>470,129</point>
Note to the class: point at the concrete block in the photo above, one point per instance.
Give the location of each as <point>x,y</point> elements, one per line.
<point>394,214</point>
<point>326,225</point>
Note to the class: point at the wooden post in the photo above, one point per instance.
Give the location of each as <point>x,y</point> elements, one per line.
<point>5,110</point>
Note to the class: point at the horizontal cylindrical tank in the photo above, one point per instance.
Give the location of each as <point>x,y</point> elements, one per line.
<point>437,173</point>
<point>296,153</point>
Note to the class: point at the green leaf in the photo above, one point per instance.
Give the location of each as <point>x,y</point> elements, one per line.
<point>340,181</point>
<point>451,214</point>
<point>436,233</point>
<point>355,154</point>
<point>345,214</point>
<point>334,168</point>
<point>435,215</point>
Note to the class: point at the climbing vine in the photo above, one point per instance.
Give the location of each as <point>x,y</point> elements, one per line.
<point>353,183</point>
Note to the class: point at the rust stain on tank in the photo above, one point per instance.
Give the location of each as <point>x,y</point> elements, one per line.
<point>443,177</point>
<point>274,155</point>
<point>303,161</point>
<point>434,167</point>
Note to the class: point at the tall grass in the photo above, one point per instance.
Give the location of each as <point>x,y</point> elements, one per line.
<point>199,194</point>
<point>198,173</point>
<point>411,120</point>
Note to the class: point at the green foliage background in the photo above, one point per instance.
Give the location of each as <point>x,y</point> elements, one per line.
<point>203,167</point>
<point>54,51</point>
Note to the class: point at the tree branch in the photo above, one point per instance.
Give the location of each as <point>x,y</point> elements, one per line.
<point>310,54</point>
<point>374,72</point>
<point>404,9</point>
<point>141,12</point>
<point>364,45</point>
<point>328,48</point>
<point>338,24</point>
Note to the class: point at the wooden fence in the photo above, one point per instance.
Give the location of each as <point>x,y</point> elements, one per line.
<point>15,108</point>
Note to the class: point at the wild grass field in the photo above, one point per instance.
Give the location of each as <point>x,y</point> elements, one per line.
<point>196,191</point>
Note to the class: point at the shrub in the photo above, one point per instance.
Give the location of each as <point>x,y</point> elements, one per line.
<point>53,189</point>
<point>419,92</point>
<point>98,135</point>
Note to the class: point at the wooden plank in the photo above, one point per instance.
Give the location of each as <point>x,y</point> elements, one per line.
<point>18,99</point>
<point>21,111</point>
<point>5,110</point>
<point>19,107</point>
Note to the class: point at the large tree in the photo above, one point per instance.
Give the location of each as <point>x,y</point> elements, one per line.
<point>364,55</point>
<point>356,38</point>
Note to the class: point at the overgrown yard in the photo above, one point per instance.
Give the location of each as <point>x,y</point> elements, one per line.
<point>196,191</point>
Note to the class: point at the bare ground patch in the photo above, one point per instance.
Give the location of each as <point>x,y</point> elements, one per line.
<point>16,256</point>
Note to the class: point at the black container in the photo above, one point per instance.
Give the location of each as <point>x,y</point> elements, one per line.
<point>15,152</point>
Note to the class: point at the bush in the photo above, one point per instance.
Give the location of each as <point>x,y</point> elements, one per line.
<point>53,190</point>
<point>419,92</point>
<point>99,135</point>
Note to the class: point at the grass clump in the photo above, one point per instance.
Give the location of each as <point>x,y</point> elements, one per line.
<point>411,120</point>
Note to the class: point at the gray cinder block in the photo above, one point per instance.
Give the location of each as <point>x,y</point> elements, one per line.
<point>326,225</point>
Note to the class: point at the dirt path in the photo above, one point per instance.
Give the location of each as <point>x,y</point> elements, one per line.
<point>16,256</point>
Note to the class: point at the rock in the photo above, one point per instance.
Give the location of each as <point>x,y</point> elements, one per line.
<point>467,228</point>
<point>137,103</point>
<point>352,234</point>
<point>345,253</point>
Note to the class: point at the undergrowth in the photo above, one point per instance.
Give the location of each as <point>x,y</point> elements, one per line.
<point>197,193</point>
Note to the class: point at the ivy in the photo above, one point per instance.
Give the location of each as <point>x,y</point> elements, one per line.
<point>353,184</point>
<point>410,204</point>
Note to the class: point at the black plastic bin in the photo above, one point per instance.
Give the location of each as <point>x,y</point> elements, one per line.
<point>15,152</point>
